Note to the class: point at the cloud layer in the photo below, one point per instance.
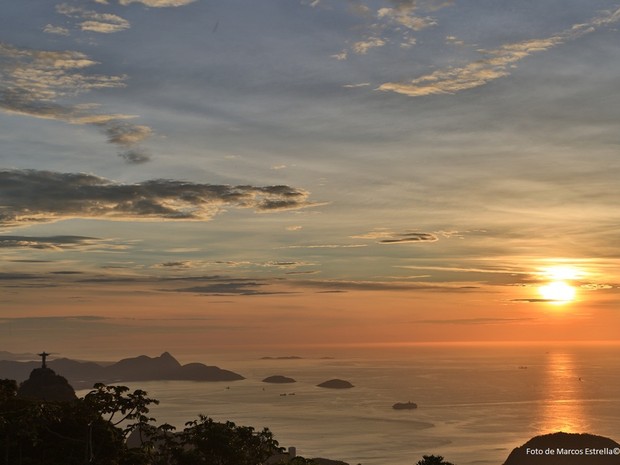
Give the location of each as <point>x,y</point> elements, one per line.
<point>30,196</point>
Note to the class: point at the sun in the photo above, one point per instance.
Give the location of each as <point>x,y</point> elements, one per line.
<point>559,287</point>
<point>558,292</point>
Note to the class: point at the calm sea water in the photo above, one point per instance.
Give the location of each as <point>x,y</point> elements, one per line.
<point>475,403</point>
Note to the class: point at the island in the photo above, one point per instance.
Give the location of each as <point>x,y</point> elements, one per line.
<point>336,384</point>
<point>404,406</point>
<point>279,379</point>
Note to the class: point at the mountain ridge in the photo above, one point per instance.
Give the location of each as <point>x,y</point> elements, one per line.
<point>83,374</point>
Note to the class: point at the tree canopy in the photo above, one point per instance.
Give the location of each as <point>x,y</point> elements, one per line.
<point>93,430</point>
<point>433,460</point>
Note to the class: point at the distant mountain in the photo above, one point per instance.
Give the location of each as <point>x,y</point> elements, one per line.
<point>4,355</point>
<point>144,368</point>
<point>141,368</point>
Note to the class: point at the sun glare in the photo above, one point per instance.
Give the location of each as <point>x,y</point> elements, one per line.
<point>557,292</point>
<point>559,288</point>
<point>562,273</point>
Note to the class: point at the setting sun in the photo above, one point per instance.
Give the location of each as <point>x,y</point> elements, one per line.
<point>557,292</point>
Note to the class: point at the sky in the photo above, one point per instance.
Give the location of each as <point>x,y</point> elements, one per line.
<point>202,175</point>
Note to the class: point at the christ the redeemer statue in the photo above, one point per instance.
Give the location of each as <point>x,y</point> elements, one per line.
<point>43,356</point>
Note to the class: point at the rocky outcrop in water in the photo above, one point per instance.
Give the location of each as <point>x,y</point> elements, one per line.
<point>279,379</point>
<point>336,384</point>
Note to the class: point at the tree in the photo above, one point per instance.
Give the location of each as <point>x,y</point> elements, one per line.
<point>116,406</point>
<point>207,442</point>
<point>296,461</point>
<point>93,430</point>
<point>433,460</point>
<point>36,432</point>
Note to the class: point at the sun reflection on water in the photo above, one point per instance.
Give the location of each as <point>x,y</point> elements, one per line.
<point>563,409</point>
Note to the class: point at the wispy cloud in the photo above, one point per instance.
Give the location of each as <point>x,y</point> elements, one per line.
<point>385,286</point>
<point>596,287</point>
<point>353,86</point>
<point>127,135</point>
<point>492,270</point>
<point>341,55</point>
<point>477,321</point>
<point>410,237</point>
<point>394,22</point>
<point>324,246</point>
<point>178,264</point>
<point>404,16</point>
<point>286,264</point>
<point>224,286</point>
<point>390,237</point>
<point>30,196</point>
<point>57,30</point>
<point>496,64</point>
<point>48,242</point>
<point>34,81</point>
<point>158,3</point>
<point>94,21</point>
<point>17,276</point>
<point>453,40</point>
<point>186,264</point>
<point>361,47</point>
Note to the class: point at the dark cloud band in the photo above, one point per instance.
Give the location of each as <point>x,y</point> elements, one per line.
<point>31,196</point>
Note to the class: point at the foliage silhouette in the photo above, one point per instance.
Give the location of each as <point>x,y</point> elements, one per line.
<point>93,430</point>
<point>37,432</point>
<point>433,460</point>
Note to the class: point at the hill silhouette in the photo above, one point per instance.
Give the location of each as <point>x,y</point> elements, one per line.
<point>566,449</point>
<point>141,368</point>
<point>45,384</point>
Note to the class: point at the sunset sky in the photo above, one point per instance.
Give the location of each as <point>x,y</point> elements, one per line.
<point>200,175</point>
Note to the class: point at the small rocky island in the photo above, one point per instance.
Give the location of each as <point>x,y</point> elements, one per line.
<point>336,384</point>
<point>405,406</point>
<point>279,379</point>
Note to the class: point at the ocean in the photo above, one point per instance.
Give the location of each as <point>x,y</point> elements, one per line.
<point>475,403</point>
